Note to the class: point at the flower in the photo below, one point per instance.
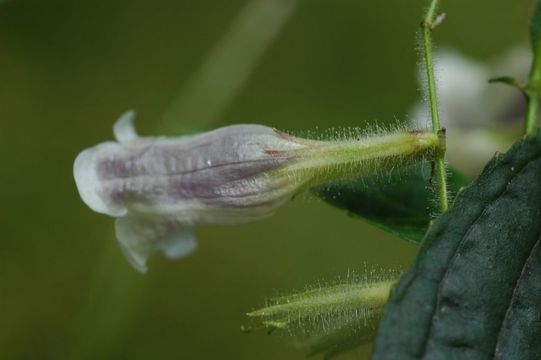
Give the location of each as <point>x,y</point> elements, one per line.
<point>159,188</point>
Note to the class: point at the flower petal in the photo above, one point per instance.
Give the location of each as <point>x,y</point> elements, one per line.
<point>89,183</point>
<point>223,168</point>
<point>141,235</point>
<point>124,129</point>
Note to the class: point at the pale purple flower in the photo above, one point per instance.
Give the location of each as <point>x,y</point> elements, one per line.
<point>158,188</point>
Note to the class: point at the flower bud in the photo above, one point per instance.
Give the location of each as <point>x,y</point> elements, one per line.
<point>158,188</point>
<point>328,319</point>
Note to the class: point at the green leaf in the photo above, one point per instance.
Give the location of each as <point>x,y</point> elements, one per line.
<point>474,291</point>
<point>401,204</point>
<point>508,80</point>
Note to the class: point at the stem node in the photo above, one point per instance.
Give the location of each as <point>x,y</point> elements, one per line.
<point>428,24</point>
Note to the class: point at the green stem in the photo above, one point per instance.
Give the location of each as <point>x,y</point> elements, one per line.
<point>427,26</point>
<point>431,12</point>
<point>533,91</point>
<point>532,113</point>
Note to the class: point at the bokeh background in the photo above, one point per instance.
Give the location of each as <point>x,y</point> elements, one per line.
<point>69,68</point>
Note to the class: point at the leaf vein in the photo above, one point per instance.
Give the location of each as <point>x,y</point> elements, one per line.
<point>512,301</point>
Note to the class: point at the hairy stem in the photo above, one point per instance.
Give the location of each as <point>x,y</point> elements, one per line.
<point>427,25</point>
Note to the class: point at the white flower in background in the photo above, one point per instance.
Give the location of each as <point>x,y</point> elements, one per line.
<point>480,118</point>
<point>158,188</point>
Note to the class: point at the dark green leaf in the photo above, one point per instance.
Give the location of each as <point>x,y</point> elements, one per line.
<point>474,291</point>
<point>402,204</point>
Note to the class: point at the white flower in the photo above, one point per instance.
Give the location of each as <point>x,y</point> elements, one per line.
<point>158,188</point>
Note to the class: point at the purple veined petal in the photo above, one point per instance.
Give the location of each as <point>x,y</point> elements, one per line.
<point>89,183</point>
<point>160,187</point>
<point>222,168</point>
<point>141,235</point>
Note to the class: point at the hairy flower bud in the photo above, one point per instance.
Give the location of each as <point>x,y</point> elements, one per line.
<point>328,319</point>
<point>160,187</point>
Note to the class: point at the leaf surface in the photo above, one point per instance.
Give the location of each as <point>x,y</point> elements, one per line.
<point>402,204</point>
<point>474,291</point>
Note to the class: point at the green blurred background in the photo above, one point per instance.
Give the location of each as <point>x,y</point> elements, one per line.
<point>69,68</point>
